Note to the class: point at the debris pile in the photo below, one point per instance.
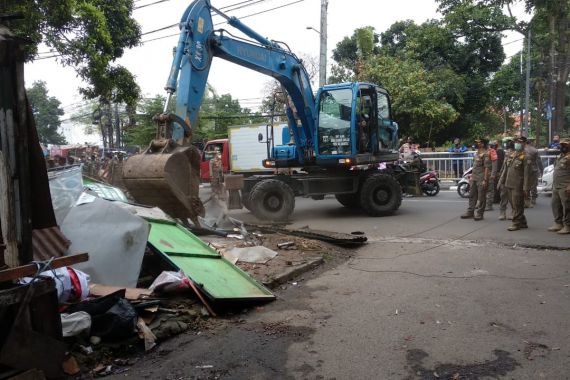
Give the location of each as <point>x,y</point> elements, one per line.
<point>146,278</point>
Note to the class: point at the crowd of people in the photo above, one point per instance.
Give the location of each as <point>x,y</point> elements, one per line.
<point>517,180</point>
<point>507,172</point>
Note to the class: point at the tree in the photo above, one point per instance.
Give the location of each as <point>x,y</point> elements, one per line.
<point>144,130</point>
<point>275,98</point>
<point>455,60</point>
<point>88,35</point>
<point>46,110</point>
<point>417,100</point>
<point>225,111</point>
<point>550,26</point>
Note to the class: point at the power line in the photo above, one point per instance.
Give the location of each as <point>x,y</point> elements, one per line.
<point>250,3</point>
<point>159,29</point>
<point>265,11</point>
<point>148,5</point>
<point>232,5</point>
<point>174,25</point>
<point>512,42</point>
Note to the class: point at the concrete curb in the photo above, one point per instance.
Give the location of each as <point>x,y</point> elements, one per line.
<point>290,274</point>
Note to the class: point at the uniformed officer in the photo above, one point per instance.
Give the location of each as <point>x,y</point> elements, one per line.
<point>509,145</point>
<point>515,178</point>
<point>493,178</point>
<point>479,181</point>
<point>561,190</point>
<point>535,170</point>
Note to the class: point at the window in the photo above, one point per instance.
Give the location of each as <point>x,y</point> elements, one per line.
<point>383,107</point>
<point>212,150</point>
<point>335,111</point>
<point>387,132</point>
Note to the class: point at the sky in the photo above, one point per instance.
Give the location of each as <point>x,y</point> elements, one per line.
<point>281,20</point>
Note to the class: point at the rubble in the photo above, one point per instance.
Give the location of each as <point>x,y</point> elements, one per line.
<point>149,278</point>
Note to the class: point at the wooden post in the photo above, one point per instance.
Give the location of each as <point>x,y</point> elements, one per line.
<point>15,210</point>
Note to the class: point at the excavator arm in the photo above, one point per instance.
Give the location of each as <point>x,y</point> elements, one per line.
<point>199,43</point>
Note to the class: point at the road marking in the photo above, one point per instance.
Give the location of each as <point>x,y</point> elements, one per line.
<point>435,200</point>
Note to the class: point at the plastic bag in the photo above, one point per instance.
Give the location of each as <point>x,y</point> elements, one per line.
<point>75,324</point>
<point>112,316</point>
<point>72,285</point>
<point>169,281</point>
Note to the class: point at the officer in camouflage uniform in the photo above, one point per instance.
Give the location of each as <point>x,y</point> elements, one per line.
<point>536,169</point>
<point>561,190</point>
<point>516,179</point>
<point>493,179</point>
<point>509,154</point>
<point>479,182</point>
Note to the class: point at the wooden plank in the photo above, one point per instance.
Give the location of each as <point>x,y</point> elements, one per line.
<point>8,214</point>
<point>31,269</point>
<point>130,293</point>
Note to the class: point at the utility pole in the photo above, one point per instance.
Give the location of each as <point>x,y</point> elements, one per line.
<point>323,50</point>
<point>521,111</point>
<point>118,130</point>
<point>525,129</point>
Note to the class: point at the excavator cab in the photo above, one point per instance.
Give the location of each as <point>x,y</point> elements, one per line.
<point>355,125</point>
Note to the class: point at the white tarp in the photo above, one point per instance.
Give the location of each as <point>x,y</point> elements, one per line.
<point>114,238</point>
<point>65,187</point>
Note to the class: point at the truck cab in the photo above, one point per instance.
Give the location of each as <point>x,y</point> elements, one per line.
<point>213,147</point>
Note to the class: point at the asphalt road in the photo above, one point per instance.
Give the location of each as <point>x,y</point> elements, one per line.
<point>430,296</point>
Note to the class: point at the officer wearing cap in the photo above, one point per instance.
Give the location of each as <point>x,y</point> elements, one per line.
<point>479,181</point>
<point>561,190</point>
<point>515,178</point>
<point>535,169</point>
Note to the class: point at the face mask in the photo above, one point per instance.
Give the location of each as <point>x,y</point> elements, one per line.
<point>518,146</point>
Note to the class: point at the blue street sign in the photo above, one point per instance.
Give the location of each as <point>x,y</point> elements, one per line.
<point>548,111</point>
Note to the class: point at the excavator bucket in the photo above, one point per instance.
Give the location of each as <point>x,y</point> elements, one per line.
<point>166,176</point>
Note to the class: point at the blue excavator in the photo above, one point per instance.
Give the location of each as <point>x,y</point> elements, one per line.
<point>343,139</point>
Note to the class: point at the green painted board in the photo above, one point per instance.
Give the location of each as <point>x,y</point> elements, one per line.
<point>175,239</point>
<point>218,278</point>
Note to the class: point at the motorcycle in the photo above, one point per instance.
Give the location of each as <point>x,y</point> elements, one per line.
<point>463,184</point>
<point>429,183</point>
<point>429,179</point>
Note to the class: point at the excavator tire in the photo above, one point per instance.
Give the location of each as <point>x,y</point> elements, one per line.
<point>380,195</point>
<point>349,200</point>
<point>272,199</point>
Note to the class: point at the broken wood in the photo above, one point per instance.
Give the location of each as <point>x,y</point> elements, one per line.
<point>131,294</point>
<point>31,269</point>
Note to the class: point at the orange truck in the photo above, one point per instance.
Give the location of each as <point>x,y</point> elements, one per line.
<point>244,150</point>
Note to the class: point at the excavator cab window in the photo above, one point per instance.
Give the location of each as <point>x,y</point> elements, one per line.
<point>335,111</point>
<point>387,129</point>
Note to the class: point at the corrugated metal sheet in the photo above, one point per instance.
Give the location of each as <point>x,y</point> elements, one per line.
<point>49,242</point>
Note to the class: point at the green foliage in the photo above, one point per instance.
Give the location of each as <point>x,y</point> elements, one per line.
<point>505,86</point>
<point>550,28</point>
<point>417,100</point>
<point>437,72</point>
<point>46,110</point>
<point>145,129</point>
<point>88,35</point>
<point>223,111</point>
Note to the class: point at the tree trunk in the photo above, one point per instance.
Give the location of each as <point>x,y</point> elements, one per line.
<point>560,65</point>
<point>538,121</point>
